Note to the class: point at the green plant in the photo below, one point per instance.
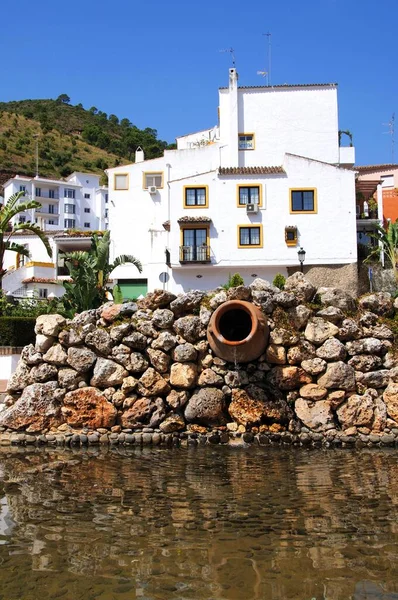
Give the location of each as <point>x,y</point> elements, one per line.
<point>90,272</point>
<point>372,205</point>
<point>233,281</point>
<point>117,294</point>
<point>17,331</point>
<point>14,205</point>
<point>279,281</point>
<point>387,239</point>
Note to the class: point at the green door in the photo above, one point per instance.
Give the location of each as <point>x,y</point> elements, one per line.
<point>132,288</point>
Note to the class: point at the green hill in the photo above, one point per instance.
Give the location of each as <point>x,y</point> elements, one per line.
<point>70,138</point>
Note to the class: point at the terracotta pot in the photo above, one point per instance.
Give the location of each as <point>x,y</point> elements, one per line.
<point>238,331</point>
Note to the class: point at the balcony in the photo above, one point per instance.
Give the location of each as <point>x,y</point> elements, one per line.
<point>46,210</point>
<point>194,254</point>
<point>46,194</point>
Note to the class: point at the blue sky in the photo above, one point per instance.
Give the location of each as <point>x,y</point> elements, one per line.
<point>159,63</point>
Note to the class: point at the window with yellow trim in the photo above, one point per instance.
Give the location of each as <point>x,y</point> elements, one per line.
<point>195,196</point>
<point>121,181</point>
<point>153,179</point>
<point>303,200</point>
<point>249,194</point>
<point>250,236</point>
<point>246,141</point>
<point>291,236</point>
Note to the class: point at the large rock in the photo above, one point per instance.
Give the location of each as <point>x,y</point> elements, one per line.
<point>349,330</point>
<point>300,287</point>
<point>332,314</point>
<point>81,359</point>
<point>390,398</point>
<point>318,330</point>
<point>73,336</point>
<point>100,341</point>
<point>209,377</point>
<point>184,353</point>
<point>240,292</point>
<point>190,328</point>
<point>87,407</point>
<point>303,351</point>
<point>338,375</point>
<point>300,315</point>
<point>43,342</point>
<point>288,378</point>
<point>380,303</point>
<point>177,399</point>
<point>251,405</point>
<point>38,408</point>
<point>160,360</point>
<point>365,346</point>
<point>262,285</point>
<point>313,392</point>
<point>121,354</point>
<point>336,298</point>
<point>206,407</point>
<point>151,383</point>
<point>285,299</point>
<point>365,362</point>
<point>44,372</point>
<point>332,350</point>
<point>138,363</point>
<point>183,375</point>
<point>118,332</point>
<point>279,335</point>
<point>314,366</point>
<point>20,378</point>
<point>135,341</point>
<point>30,356</point>
<point>69,379</point>
<point>317,416</point>
<point>172,423</point>
<point>187,302</point>
<point>107,373</point>
<point>275,354</point>
<point>165,341</point>
<point>376,379</point>
<point>163,318</point>
<point>56,355</point>
<point>49,325</point>
<point>157,299</point>
<point>356,411</point>
<point>264,299</point>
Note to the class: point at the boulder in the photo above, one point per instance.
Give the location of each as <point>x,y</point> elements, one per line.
<point>38,408</point>
<point>158,359</point>
<point>218,299</point>
<point>390,398</point>
<point>338,375</point>
<point>190,328</point>
<point>118,332</point>
<point>151,383</point>
<point>81,359</point>
<point>165,341</point>
<point>209,377</point>
<point>56,355</point>
<point>138,363</point>
<point>365,362</point>
<point>356,411</point>
<point>281,336</point>
<point>318,330</point>
<point>30,356</point>
<point>332,314</point>
<point>288,378</point>
<point>262,285</point>
<point>206,407</point>
<point>313,392</point>
<point>135,341</point>
<point>187,302</point>
<point>376,379</point>
<point>300,287</point>
<point>172,423</point>
<point>365,346</point>
<point>100,341</point>
<point>349,330</point>
<point>43,342</point>
<point>20,378</point>
<point>317,416</point>
<point>107,373</point>
<point>236,378</point>
<point>275,354</point>
<point>49,325</point>
<point>177,399</point>
<point>43,372</point>
<point>69,379</point>
<point>263,299</point>
<point>121,354</point>
<point>183,375</point>
<point>336,298</point>
<point>332,350</point>
<point>285,299</point>
<point>88,407</point>
<point>156,299</point>
<point>184,353</point>
<point>163,318</point>
<point>251,405</point>
<point>380,303</point>
<point>303,351</point>
<point>240,292</point>
<point>314,366</point>
<point>299,315</point>
<point>73,336</point>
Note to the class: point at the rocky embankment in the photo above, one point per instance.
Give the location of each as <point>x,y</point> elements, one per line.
<point>144,373</point>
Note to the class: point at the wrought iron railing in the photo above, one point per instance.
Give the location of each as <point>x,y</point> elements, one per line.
<point>194,254</point>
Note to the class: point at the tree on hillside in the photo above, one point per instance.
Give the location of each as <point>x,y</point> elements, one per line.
<point>90,272</point>
<point>63,99</point>
<point>8,211</point>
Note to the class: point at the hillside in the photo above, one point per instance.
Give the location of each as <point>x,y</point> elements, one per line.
<point>70,138</point>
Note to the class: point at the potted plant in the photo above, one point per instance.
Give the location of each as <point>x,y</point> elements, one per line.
<point>372,204</point>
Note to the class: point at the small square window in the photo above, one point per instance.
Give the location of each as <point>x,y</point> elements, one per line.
<point>43,293</point>
<point>86,210</point>
<point>121,181</point>
<point>195,197</point>
<point>303,200</point>
<point>291,236</point>
<point>87,196</point>
<point>250,236</point>
<point>87,225</point>
<point>153,179</point>
<point>246,141</point>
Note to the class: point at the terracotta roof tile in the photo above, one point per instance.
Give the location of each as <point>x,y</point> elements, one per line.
<point>194,220</point>
<point>250,170</point>
<point>375,167</point>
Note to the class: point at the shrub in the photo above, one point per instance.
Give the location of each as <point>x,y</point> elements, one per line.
<point>17,331</point>
<point>279,281</point>
<point>234,281</point>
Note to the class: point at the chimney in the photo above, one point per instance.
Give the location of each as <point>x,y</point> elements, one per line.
<point>139,155</point>
<point>233,119</point>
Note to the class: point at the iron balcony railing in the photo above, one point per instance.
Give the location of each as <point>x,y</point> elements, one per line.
<point>54,196</point>
<point>194,254</point>
<point>46,210</point>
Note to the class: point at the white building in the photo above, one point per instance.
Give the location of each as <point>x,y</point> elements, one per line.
<point>79,204</point>
<point>243,196</point>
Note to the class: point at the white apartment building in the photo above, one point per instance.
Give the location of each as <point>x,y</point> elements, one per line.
<point>77,203</point>
<point>243,196</point>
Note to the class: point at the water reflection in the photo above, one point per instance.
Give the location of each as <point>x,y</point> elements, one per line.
<point>206,523</point>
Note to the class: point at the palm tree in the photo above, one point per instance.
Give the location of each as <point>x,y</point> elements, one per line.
<point>90,272</point>
<point>8,211</point>
<point>387,239</point>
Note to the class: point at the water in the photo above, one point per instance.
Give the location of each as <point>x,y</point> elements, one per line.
<point>201,523</point>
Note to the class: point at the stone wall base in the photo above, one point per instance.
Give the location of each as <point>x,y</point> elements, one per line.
<point>344,277</point>
<point>307,438</point>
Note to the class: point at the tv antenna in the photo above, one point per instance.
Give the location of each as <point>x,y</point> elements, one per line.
<point>231,51</point>
<point>391,131</point>
<point>267,73</point>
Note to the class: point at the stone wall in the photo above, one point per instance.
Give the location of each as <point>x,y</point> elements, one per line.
<point>345,277</point>
<point>123,372</point>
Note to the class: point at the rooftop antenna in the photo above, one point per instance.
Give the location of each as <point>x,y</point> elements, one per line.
<point>391,131</point>
<point>231,51</point>
<point>267,73</point>
<point>36,137</point>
